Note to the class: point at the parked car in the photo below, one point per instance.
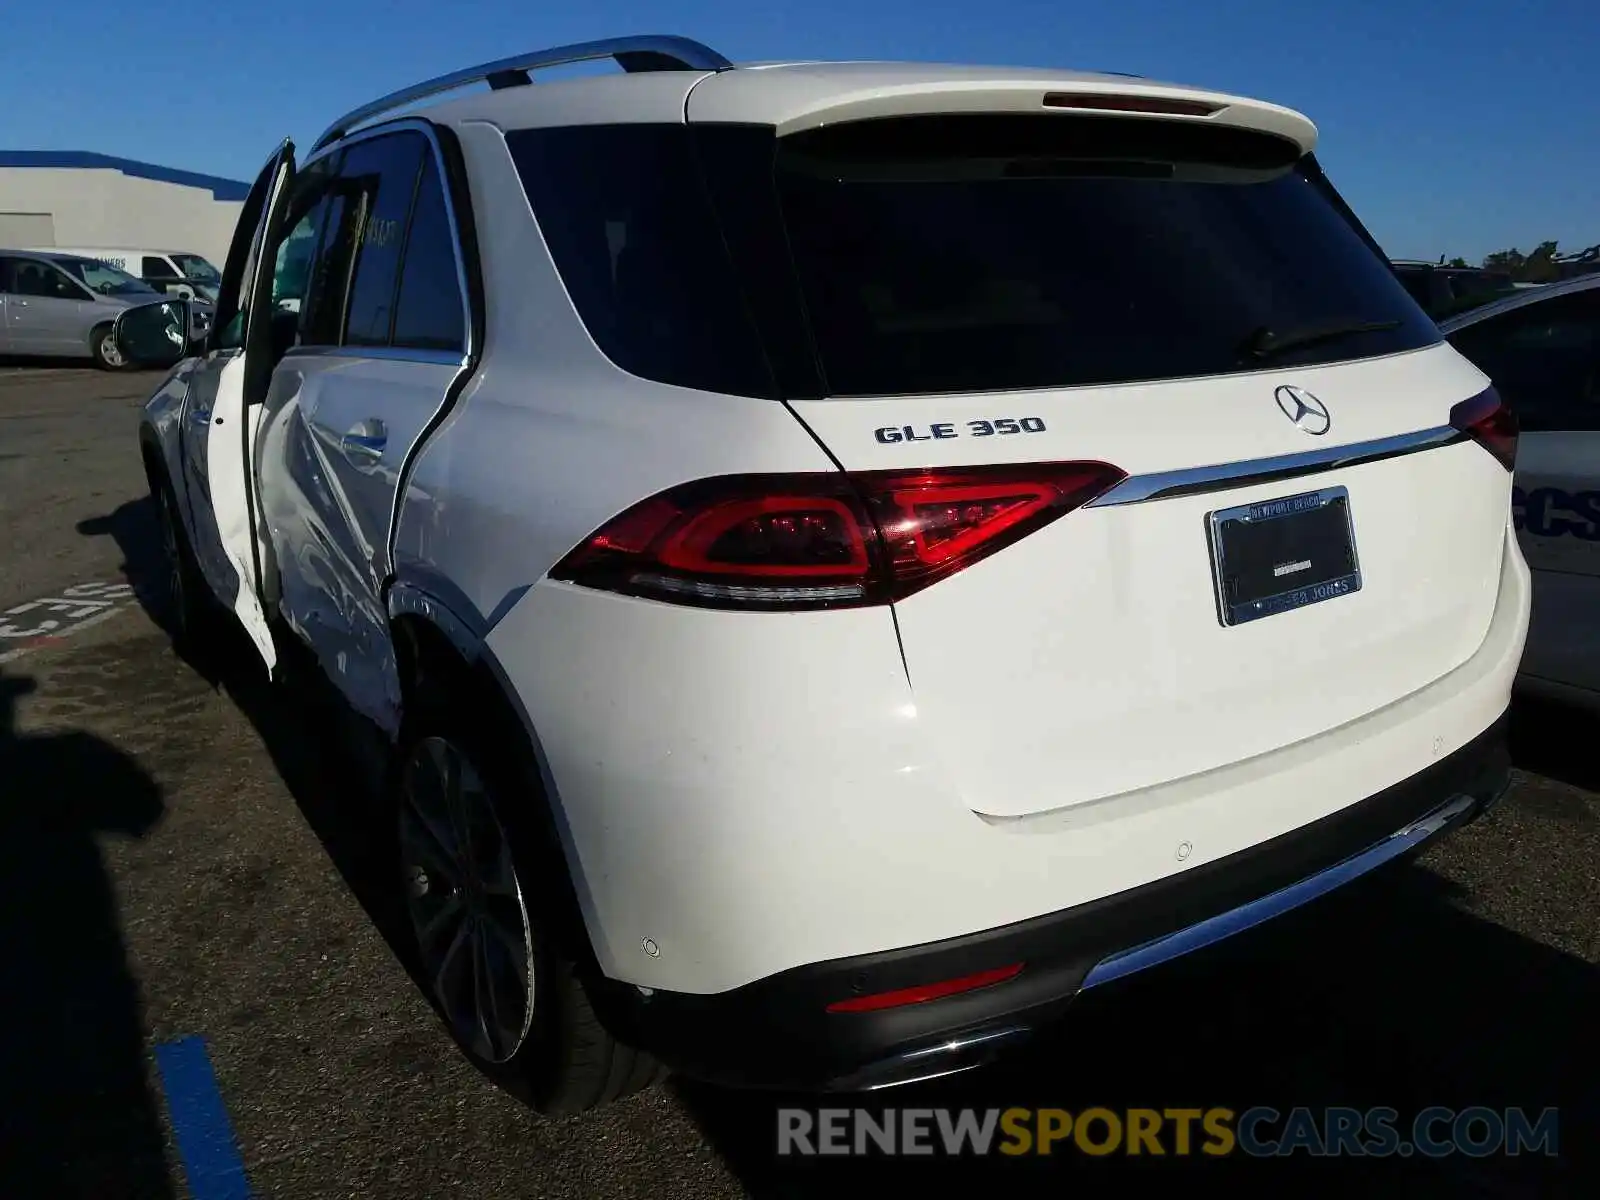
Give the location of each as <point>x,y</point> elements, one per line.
<point>1445,290</point>
<point>57,304</point>
<point>1542,349</point>
<point>173,272</point>
<point>827,590</point>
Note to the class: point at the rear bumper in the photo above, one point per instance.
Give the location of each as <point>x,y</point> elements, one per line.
<point>776,1031</point>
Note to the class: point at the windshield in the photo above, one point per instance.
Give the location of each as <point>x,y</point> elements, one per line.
<point>945,254</point>
<point>104,278</point>
<point>195,267</point>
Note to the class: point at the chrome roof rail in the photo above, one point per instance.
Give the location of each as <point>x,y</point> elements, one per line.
<point>646,52</point>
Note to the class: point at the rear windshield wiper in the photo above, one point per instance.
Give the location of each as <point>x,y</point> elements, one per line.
<point>1267,343</point>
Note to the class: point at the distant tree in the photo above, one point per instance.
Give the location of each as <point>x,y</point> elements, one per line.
<point>1456,262</point>
<point>1537,266</point>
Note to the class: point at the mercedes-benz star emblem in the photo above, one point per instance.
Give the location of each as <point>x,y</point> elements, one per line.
<point>1304,409</point>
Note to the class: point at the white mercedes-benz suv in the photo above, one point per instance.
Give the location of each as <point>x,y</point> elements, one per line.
<point>841,557</point>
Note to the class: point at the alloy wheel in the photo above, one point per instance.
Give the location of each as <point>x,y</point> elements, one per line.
<point>109,351</point>
<point>465,902</point>
<point>177,592</point>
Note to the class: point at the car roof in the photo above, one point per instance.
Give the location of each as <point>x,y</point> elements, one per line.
<point>1521,298</point>
<point>798,95</point>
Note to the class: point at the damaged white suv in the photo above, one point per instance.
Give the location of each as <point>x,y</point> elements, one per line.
<point>843,557</point>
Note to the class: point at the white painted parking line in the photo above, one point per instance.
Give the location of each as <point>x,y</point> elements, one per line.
<point>51,619</point>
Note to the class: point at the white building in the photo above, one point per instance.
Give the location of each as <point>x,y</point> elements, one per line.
<point>82,200</point>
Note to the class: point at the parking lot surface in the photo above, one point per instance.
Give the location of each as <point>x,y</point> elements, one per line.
<point>181,858</point>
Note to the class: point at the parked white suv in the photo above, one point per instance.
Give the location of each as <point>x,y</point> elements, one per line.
<point>844,556</point>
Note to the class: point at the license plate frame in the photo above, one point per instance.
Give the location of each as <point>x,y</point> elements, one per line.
<point>1307,540</point>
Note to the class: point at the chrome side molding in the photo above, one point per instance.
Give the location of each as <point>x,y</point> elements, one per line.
<point>1162,485</point>
<point>1237,920</point>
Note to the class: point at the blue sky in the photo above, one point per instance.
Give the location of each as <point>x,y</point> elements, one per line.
<point>1455,127</point>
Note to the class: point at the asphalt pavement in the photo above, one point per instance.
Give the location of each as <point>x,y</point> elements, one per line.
<point>182,865</point>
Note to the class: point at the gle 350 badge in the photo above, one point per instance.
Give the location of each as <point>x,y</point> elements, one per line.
<point>941,430</point>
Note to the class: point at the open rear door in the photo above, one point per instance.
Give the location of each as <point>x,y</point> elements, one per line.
<point>241,385</point>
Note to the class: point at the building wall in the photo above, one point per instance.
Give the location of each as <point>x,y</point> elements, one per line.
<point>95,207</point>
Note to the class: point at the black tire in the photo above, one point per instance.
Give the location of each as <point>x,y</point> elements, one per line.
<point>104,349</point>
<point>191,612</point>
<point>565,1060</point>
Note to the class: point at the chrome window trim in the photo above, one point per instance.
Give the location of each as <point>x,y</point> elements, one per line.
<point>1194,481</point>
<point>443,358</point>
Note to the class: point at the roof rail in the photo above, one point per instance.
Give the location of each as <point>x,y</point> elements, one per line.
<point>646,52</point>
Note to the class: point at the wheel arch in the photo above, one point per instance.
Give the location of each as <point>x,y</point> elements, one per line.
<point>434,646</point>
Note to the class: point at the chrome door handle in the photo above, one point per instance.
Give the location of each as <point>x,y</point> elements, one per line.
<point>364,444</point>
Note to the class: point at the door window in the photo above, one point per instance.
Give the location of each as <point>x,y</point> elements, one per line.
<point>247,234</point>
<point>297,251</point>
<point>429,314</point>
<point>34,278</point>
<point>382,175</point>
<point>1545,360</point>
<point>155,267</point>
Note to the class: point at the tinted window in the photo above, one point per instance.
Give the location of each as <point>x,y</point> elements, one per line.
<point>157,268</point>
<point>1545,360</point>
<point>952,253</point>
<point>34,278</point>
<point>429,313</point>
<point>979,253</point>
<point>295,255</point>
<point>381,175</point>
<point>628,223</point>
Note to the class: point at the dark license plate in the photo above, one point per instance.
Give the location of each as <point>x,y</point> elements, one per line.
<point>1283,554</point>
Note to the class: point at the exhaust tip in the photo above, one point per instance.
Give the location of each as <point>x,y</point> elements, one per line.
<point>951,1056</point>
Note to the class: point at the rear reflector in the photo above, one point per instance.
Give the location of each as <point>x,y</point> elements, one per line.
<point>1165,105</point>
<point>808,541</point>
<point>1486,420</point>
<point>928,991</point>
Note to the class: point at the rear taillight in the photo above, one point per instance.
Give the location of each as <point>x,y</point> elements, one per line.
<point>1487,421</point>
<point>824,540</point>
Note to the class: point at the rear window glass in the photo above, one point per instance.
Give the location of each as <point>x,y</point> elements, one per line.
<point>940,254</point>
<point>956,254</point>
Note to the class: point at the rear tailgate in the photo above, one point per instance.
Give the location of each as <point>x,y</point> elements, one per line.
<point>1162,297</point>
<point>1089,658</point>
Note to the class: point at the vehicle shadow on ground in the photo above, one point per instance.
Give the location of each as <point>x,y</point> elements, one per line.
<point>1388,996</point>
<point>1557,740</point>
<point>301,720</point>
<point>77,1114</point>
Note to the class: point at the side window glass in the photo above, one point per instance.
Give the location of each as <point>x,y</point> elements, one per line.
<point>1545,361</point>
<point>383,171</point>
<point>428,313</point>
<point>157,268</point>
<point>45,282</point>
<point>8,268</point>
<point>295,257</point>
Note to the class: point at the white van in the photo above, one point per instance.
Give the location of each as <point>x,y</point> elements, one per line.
<point>176,272</point>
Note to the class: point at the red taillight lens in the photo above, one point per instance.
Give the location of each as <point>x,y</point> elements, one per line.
<point>824,540</point>
<point>1487,421</point>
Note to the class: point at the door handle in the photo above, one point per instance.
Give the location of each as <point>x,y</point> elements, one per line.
<point>364,444</point>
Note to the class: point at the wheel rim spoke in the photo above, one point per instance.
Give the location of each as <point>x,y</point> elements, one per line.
<point>447,981</point>
<point>466,903</point>
<point>429,841</point>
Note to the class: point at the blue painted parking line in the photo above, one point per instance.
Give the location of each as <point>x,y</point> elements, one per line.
<point>210,1156</point>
